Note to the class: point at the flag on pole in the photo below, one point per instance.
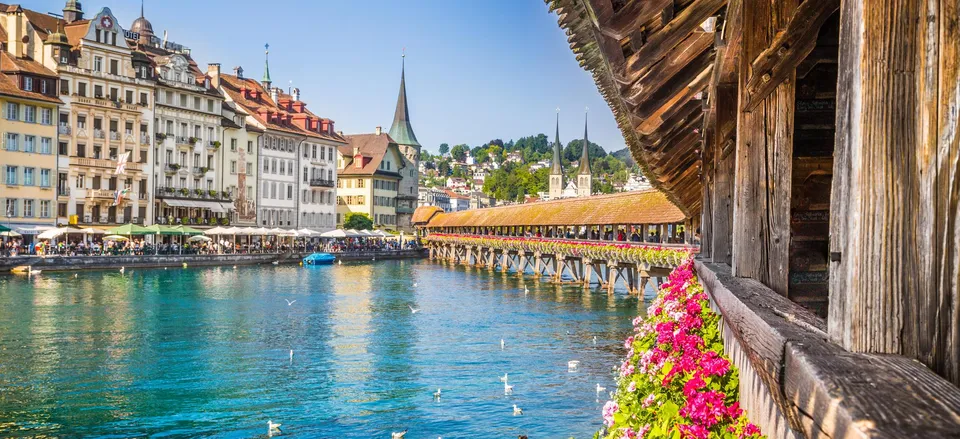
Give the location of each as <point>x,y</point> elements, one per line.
<point>119,195</point>
<point>122,163</point>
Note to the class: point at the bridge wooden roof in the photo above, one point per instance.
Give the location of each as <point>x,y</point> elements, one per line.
<point>652,61</point>
<point>641,207</point>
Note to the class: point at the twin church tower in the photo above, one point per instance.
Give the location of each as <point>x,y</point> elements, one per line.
<point>584,185</point>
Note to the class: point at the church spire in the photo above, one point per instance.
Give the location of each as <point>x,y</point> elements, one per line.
<point>401,131</point>
<point>585,154</point>
<point>266,69</point>
<point>557,168</point>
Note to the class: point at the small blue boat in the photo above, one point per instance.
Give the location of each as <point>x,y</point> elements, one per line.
<point>319,259</point>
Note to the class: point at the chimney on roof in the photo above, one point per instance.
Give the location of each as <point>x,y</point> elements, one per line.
<point>296,94</point>
<point>379,130</point>
<point>213,71</point>
<point>275,94</point>
<point>238,72</point>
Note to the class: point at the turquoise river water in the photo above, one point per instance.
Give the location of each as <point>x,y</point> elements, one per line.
<point>205,352</point>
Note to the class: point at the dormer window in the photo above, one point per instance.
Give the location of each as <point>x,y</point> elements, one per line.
<point>28,83</point>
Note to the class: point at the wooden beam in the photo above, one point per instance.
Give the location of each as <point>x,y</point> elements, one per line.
<point>676,85</point>
<point>726,118</point>
<point>763,158</point>
<point>665,70</point>
<point>634,15</point>
<point>663,147</point>
<point>895,203</point>
<point>682,25</point>
<point>729,44</point>
<point>779,61</point>
<point>819,55</point>
<point>655,119</point>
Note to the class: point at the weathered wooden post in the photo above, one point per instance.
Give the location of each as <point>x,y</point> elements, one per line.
<point>894,264</point>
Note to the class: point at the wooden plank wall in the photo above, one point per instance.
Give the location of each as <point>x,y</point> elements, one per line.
<point>764,152</point>
<point>894,229</point>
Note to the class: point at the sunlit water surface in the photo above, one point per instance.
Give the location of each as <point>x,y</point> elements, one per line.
<point>206,352</point>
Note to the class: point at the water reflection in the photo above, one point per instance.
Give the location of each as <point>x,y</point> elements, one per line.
<point>206,351</point>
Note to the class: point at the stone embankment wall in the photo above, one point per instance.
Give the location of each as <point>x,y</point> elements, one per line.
<point>66,263</point>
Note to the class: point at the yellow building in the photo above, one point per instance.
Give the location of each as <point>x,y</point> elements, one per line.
<point>368,178</point>
<point>28,160</point>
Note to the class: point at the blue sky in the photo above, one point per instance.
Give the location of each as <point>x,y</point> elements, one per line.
<point>475,70</point>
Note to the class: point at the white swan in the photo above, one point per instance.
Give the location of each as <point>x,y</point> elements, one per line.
<point>273,428</point>
<point>517,410</point>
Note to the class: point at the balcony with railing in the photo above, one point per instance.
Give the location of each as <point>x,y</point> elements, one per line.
<point>115,136</point>
<point>144,139</point>
<point>103,163</point>
<point>192,194</point>
<point>101,101</point>
<point>100,193</point>
<point>184,140</point>
<point>321,182</point>
<point>64,130</point>
<point>171,168</point>
<point>98,134</point>
<point>201,169</point>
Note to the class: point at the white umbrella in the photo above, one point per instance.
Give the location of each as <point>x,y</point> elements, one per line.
<point>215,231</point>
<point>10,233</point>
<point>115,238</point>
<point>367,233</point>
<point>54,233</point>
<point>351,233</point>
<point>92,231</point>
<point>338,233</point>
<point>306,232</point>
<point>197,238</point>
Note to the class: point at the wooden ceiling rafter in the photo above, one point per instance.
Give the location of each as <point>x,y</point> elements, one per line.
<point>652,62</point>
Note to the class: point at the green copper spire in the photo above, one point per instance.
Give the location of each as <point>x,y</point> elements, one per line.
<point>585,155</point>
<point>266,67</point>
<point>401,131</point>
<point>556,169</point>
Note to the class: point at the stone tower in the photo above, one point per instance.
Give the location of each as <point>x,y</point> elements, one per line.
<point>556,171</point>
<point>401,131</point>
<point>584,176</point>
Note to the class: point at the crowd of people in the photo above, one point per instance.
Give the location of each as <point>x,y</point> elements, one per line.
<point>139,246</point>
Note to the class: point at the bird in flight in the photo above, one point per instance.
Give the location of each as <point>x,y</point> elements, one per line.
<point>290,302</point>
<point>413,310</point>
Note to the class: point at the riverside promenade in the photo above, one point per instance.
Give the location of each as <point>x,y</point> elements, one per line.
<point>72,263</point>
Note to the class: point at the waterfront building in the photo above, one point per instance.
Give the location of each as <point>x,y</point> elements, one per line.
<point>187,165</point>
<point>295,166</point>
<point>107,88</point>
<point>28,99</point>
<point>240,148</point>
<point>371,167</point>
<point>458,201</point>
<point>402,132</point>
<point>432,196</point>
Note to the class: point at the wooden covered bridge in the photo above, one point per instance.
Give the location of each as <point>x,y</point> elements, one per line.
<point>817,143</point>
<point>629,237</point>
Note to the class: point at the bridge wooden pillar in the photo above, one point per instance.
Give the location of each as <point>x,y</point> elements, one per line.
<point>612,273</point>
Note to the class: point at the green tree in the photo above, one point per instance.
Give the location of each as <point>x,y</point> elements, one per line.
<point>358,221</point>
<point>443,169</point>
<point>444,148</point>
<point>459,152</point>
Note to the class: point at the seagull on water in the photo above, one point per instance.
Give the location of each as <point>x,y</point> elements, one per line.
<point>123,269</point>
<point>75,275</point>
<point>594,339</point>
<point>600,389</point>
<point>290,302</point>
<point>507,388</point>
<point>501,344</point>
<point>517,410</point>
<point>339,261</point>
<point>291,357</point>
<point>526,290</point>
<point>503,379</point>
<point>273,428</point>
<point>398,434</point>
<point>573,365</point>
<point>275,262</point>
<point>437,393</point>
<point>413,310</point>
